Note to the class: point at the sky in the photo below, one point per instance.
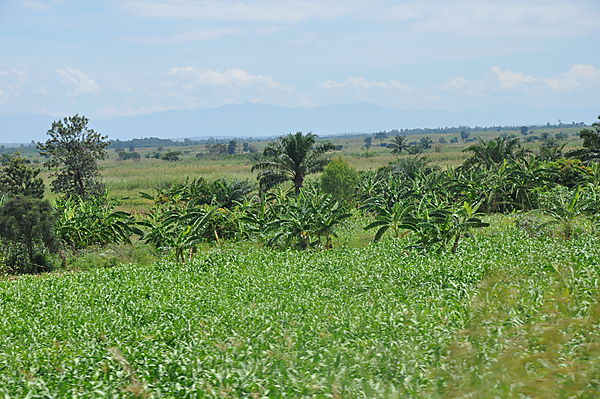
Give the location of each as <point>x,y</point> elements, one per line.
<point>107,59</point>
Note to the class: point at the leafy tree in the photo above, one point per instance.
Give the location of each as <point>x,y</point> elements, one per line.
<point>291,158</point>
<point>464,135</point>
<point>591,143</point>
<point>171,156</point>
<point>368,142</point>
<point>399,144</point>
<point>232,147</point>
<point>339,179</point>
<point>17,178</point>
<point>591,137</point>
<point>74,149</point>
<point>27,222</point>
<point>524,130</point>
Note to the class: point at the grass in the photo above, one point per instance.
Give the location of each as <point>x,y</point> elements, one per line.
<point>506,313</point>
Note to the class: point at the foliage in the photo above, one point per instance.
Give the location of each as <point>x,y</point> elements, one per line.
<point>171,156</point>
<point>220,193</point>
<point>591,143</point>
<point>339,180</point>
<point>399,144</point>
<point>494,152</point>
<point>93,221</point>
<point>26,223</point>
<point>17,178</point>
<point>306,220</point>
<point>291,158</point>
<point>74,149</point>
<point>564,206</point>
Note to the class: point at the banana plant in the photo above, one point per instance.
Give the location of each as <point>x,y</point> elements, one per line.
<point>399,219</point>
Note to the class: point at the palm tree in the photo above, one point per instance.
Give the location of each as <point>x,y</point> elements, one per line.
<point>399,144</point>
<point>291,158</point>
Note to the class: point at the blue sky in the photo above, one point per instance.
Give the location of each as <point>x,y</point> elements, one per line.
<point>114,58</point>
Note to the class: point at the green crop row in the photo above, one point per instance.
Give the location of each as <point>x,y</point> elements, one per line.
<point>378,321</point>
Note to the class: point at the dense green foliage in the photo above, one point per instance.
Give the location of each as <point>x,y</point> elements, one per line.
<point>340,180</point>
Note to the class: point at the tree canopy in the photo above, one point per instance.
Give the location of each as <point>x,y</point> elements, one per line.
<point>74,149</point>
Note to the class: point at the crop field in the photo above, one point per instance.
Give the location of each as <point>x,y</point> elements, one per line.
<point>507,316</point>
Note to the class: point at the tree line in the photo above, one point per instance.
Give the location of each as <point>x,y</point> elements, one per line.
<point>436,209</point>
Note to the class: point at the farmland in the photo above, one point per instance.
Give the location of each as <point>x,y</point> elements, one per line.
<point>466,269</point>
<point>351,322</point>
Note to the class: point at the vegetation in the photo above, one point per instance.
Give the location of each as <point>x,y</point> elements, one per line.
<point>291,158</point>
<point>74,149</point>
<point>18,178</point>
<point>409,278</point>
<point>26,230</point>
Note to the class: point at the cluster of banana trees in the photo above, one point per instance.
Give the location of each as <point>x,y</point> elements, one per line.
<point>439,206</point>
<point>183,222</point>
<point>93,221</point>
<point>433,223</point>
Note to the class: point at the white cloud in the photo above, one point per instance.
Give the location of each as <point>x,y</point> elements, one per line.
<point>240,10</point>
<point>194,35</point>
<point>38,5</point>
<point>12,82</point>
<point>578,76</point>
<point>478,18</point>
<point>229,77</point>
<point>474,18</point>
<point>359,83</point>
<point>78,81</point>
<point>509,79</point>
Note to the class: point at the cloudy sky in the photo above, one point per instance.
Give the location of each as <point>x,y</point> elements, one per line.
<point>113,58</point>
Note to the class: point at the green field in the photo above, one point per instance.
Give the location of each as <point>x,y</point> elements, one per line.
<point>509,316</point>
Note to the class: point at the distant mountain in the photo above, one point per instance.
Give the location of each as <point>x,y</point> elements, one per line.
<point>260,120</point>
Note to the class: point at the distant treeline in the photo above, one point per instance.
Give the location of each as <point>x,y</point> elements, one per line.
<point>458,129</point>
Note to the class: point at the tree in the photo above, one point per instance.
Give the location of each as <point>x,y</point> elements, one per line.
<point>27,223</point>
<point>399,144</point>
<point>74,149</point>
<point>17,178</point>
<point>171,156</point>
<point>339,179</point>
<point>368,141</point>
<point>291,158</point>
<point>524,130</point>
<point>232,147</point>
<point>426,142</point>
<point>464,135</point>
<point>591,143</point>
